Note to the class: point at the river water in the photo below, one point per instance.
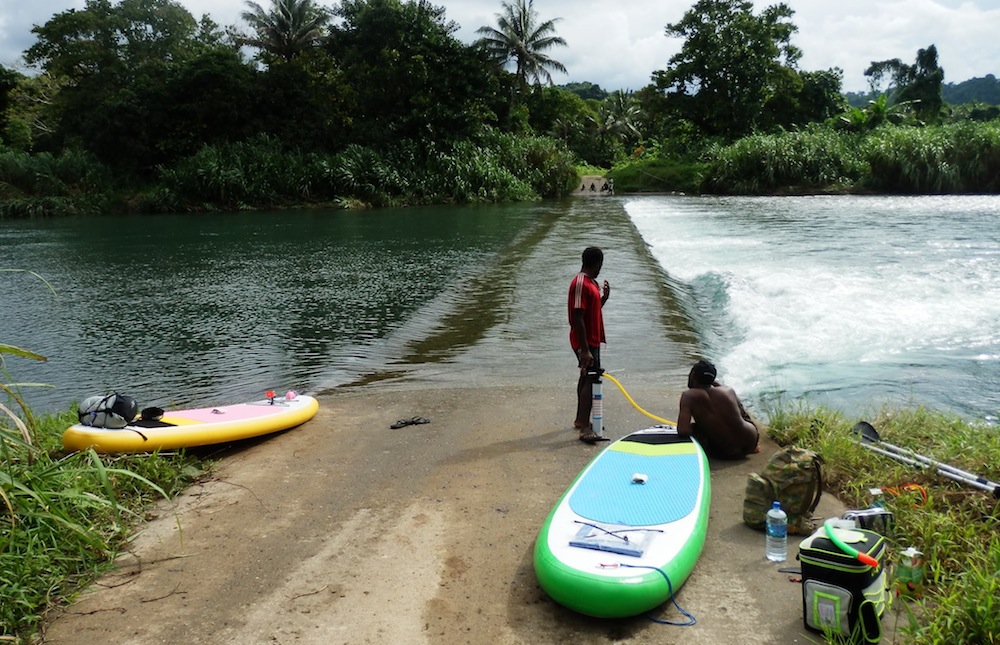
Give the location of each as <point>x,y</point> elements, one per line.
<point>846,301</point>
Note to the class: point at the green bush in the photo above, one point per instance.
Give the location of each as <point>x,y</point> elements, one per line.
<point>659,175</point>
<point>261,173</point>
<point>958,158</point>
<point>36,185</point>
<point>789,161</point>
<point>236,176</point>
<point>64,517</point>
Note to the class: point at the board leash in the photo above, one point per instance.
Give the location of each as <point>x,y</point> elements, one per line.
<point>691,620</point>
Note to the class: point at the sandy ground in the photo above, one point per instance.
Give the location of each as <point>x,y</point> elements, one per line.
<point>344,531</point>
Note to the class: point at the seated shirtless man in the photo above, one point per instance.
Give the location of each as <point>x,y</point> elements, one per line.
<point>712,413</point>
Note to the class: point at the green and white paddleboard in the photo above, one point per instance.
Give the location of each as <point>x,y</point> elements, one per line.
<point>635,517</point>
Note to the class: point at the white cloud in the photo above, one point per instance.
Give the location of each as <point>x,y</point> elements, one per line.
<point>619,44</point>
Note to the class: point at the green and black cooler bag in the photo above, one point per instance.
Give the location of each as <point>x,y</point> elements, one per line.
<point>841,596</point>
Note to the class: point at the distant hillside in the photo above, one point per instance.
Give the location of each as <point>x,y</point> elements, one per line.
<point>586,90</point>
<point>984,90</point>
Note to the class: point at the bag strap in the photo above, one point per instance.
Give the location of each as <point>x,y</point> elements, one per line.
<point>819,487</point>
<point>102,406</point>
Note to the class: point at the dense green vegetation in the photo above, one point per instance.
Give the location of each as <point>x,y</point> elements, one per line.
<point>956,158</point>
<point>135,105</point>
<point>382,106</point>
<point>956,529</point>
<point>64,517</point>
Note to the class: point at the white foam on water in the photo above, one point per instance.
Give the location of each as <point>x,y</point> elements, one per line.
<point>819,288</point>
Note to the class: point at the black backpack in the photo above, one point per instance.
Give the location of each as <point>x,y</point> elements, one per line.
<point>112,411</point>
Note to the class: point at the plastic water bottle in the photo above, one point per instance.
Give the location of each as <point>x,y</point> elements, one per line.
<point>776,542</point>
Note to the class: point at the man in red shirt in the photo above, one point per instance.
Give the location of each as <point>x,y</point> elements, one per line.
<point>586,333</point>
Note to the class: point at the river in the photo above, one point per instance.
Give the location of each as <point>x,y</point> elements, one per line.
<point>850,302</point>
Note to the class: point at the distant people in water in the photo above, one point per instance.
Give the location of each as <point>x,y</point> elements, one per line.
<point>608,187</point>
<point>713,414</point>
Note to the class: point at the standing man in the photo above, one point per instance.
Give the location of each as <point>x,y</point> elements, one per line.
<point>713,414</point>
<point>586,333</point>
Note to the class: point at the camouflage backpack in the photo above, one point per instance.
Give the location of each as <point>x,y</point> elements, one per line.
<point>793,477</point>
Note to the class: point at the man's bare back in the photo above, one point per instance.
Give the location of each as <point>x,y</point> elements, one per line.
<point>712,414</point>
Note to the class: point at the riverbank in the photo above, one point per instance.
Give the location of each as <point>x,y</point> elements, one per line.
<point>345,531</point>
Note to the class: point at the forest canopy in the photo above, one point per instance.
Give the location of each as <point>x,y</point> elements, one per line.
<point>125,99</point>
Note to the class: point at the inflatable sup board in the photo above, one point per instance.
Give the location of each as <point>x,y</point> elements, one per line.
<point>198,427</point>
<point>635,517</point>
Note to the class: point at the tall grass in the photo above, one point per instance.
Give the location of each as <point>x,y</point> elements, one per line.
<point>63,517</point>
<point>791,161</point>
<point>36,185</point>
<point>262,173</point>
<point>957,529</point>
<point>656,174</point>
<point>235,176</point>
<point>956,158</point>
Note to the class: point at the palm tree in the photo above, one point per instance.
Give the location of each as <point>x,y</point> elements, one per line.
<point>287,28</point>
<point>519,37</point>
<point>622,114</point>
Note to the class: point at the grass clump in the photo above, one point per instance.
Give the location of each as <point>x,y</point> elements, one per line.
<point>816,159</point>
<point>64,517</point>
<point>957,528</point>
<point>654,174</point>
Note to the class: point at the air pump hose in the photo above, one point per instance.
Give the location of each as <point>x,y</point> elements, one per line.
<point>863,558</point>
<point>636,405</point>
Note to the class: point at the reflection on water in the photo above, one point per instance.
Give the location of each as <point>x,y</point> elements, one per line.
<point>209,309</point>
<point>837,299</point>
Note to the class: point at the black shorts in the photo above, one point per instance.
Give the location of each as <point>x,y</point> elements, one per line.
<point>595,352</point>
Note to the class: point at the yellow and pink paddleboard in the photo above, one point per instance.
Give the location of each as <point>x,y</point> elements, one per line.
<point>198,427</point>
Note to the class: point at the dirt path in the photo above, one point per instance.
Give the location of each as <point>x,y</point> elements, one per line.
<point>344,531</point>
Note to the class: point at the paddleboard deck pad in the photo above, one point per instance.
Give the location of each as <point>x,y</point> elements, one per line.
<point>628,531</point>
<point>197,427</point>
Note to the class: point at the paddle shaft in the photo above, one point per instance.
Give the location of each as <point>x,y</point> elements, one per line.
<point>962,479</point>
<point>940,465</point>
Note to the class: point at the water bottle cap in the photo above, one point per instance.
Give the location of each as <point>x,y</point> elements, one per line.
<point>776,504</point>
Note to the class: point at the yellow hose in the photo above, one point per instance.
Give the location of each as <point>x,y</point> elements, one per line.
<point>636,405</point>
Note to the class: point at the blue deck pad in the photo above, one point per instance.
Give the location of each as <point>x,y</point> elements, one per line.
<point>606,493</point>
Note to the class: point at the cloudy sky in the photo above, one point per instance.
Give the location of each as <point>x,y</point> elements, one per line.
<point>619,43</point>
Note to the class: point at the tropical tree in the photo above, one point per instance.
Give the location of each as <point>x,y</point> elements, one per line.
<point>521,38</point>
<point>878,112</point>
<point>919,83</point>
<point>410,77</point>
<point>730,64</point>
<point>613,128</point>
<point>96,54</point>
<point>621,114</point>
<point>287,28</point>
<point>104,39</point>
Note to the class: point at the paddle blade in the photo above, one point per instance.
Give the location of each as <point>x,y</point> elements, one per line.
<point>866,431</point>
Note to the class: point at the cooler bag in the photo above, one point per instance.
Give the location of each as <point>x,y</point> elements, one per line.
<point>841,596</point>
